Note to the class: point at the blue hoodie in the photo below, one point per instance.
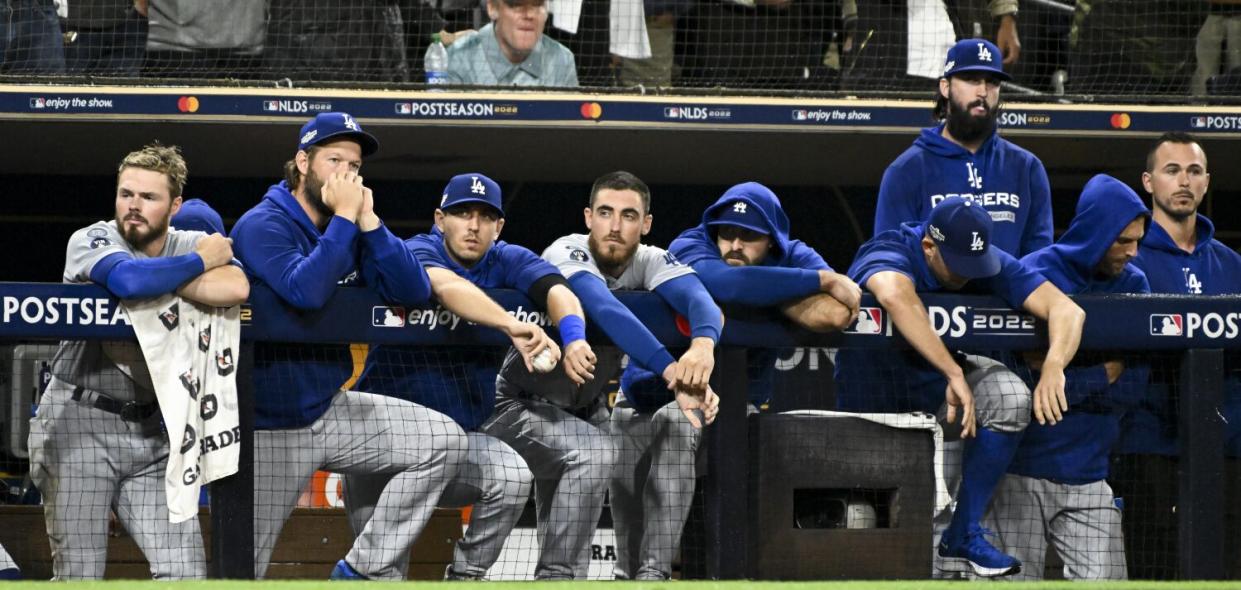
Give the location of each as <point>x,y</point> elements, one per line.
<point>1007,180</point>
<point>789,272</point>
<point>1211,269</point>
<point>282,249</point>
<point>902,380</point>
<point>1075,450</point>
<point>457,381</point>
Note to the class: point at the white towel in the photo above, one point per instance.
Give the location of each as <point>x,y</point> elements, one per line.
<point>191,353</point>
<point>626,25</point>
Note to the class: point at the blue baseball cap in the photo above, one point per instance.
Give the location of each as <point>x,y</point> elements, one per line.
<point>742,213</point>
<point>975,55</point>
<point>197,215</point>
<point>335,125</point>
<point>962,231</point>
<point>472,187</point>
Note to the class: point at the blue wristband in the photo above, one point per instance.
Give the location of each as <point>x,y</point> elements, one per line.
<point>572,329</point>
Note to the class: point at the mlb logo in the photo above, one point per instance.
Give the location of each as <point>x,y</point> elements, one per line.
<point>38,103</point>
<point>1197,122</point>
<point>1167,324</point>
<point>271,105</point>
<point>672,112</point>
<point>869,321</point>
<point>799,115</point>
<point>404,108</point>
<point>383,316</point>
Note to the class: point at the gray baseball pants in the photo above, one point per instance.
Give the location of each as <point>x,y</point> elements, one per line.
<point>572,460</point>
<point>85,462</point>
<point>494,478</point>
<point>361,433</point>
<point>652,488</point>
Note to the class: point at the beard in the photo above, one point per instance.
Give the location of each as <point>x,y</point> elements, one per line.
<point>135,237</point>
<point>738,257</point>
<point>966,127</point>
<point>610,256</point>
<point>1171,210</point>
<point>314,193</point>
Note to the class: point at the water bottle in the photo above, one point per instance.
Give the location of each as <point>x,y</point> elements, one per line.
<point>436,61</point>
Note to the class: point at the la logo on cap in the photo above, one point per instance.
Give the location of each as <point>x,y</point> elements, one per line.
<point>977,244</point>
<point>983,53</point>
<point>477,187</point>
<point>739,207</point>
<point>350,123</point>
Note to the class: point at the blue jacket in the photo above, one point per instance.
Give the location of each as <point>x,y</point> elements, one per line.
<point>788,273</point>
<point>1007,180</point>
<point>282,249</point>
<point>457,381</point>
<point>1211,269</point>
<point>1076,449</point>
<point>902,380</point>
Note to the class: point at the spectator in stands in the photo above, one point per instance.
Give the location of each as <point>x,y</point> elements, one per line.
<point>1133,47</point>
<point>953,249</point>
<point>30,38</point>
<point>337,40</point>
<point>312,232</point>
<point>106,37</point>
<point>965,155</point>
<point>1056,489</point>
<point>891,46</point>
<point>1220,33</point>
<point>743,254</point>
<point>211,38</point>
<point>1179,255</point>
<point>661,28</point>
<point>511,50</point>
<point>462,255</point>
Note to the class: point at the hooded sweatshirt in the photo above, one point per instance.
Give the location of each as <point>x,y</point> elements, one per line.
<point>1211,269</point>
<point>1008,181</point>
<point>1075,450</point>
<point>789,272</point>
<point>282,249</point>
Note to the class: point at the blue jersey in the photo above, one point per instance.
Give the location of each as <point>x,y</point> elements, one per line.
<point>1211,269</point>
<point>901,380</point>
<point>789,272</point>
<point>283,250</point>
<point>1075,450</point>
<point>459,382</point>
<point>1008,181</point>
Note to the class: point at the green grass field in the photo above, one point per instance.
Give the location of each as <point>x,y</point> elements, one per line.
<point>677,585</point>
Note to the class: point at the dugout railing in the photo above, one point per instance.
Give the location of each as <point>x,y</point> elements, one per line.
<point>1205,327</point>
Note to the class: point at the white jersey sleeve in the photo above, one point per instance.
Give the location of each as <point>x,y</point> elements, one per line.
<point>653,266</point>
<point>88,246</point>
<point>571,255</point>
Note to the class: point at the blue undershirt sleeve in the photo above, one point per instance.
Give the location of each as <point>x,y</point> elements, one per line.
<point>687,295</point>
<point>758,286</point>
<point>624,328</point>
<point>132,278</point>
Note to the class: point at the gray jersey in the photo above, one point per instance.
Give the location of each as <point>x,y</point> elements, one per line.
<point>650,267</point>
<point>114,368</point>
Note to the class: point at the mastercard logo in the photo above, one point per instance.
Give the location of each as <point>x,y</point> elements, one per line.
<point>591,110</point>
<point>187,104</point>
<point>1121,121</point>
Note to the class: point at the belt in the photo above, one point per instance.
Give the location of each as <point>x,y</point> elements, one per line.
<point>128,411</point>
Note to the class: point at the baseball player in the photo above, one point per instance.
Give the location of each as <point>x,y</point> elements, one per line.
<point>97,441</point>
<point>951,249</point>
<point>1055,489</point>
<point>964,156</point>
<point>1179,255</point>
<point>558,425</point>
<point>313,231</point>
<point>744,256</point>
<point>462,254</point>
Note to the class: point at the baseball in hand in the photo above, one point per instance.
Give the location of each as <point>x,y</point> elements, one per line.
<point>543,362</point>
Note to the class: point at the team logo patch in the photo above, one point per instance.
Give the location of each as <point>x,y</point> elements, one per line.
<point>935,233</point>
<point>97,232</point>
<point>188,439</point>
<point>310,135</point>
<point>98,243</point>
<point>1167,324</point>
<point>383,316</point>
<point>204,339</point>
<point>208,407</point>
<point>869,321</point>
<point>191,383</point>
<point>171,317</point>
<point>579,255</point>
<point>224,362</point>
